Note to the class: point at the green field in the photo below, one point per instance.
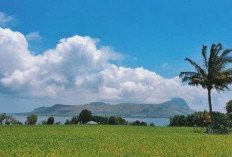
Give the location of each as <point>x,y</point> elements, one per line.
<point>83,140</point>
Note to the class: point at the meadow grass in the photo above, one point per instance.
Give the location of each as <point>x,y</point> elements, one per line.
<point>105,140</point>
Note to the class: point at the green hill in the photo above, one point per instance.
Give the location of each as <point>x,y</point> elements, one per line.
<point>166,109</point>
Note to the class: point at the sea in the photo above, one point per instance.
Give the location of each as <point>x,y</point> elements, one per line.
<point>156,121</point>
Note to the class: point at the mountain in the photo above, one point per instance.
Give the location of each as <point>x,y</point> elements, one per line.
<point>166,109</point>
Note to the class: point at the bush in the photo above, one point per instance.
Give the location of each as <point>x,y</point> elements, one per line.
<point>58,123</point>
<point>143,124</point>
<point>113,120</point>
<point>3,116</point>
<point>122,121</point>
<point>11,120</point>
<point>100,119</point>
<point>220,120</point>
<point>74,120</point>
<point>152,124</point>
<point>50,120</point>
<point>229,107</point>
<point>201,119</point>
<point>32,119</point>
<point>44,122</point>
<point>67,122</point>
<point>178,120</point>
<point>137,122</point>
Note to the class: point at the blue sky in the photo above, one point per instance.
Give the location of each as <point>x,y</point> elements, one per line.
<point>156,35</point>
<point>148,33</point>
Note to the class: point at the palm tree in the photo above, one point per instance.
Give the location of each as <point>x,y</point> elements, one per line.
<point>213,74</point>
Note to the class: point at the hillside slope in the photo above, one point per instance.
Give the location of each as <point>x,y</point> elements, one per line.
<point>166,109</point>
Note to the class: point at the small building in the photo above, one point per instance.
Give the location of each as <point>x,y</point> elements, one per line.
<point>91,123</point>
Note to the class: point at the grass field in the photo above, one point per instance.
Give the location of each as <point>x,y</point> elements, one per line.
<point>106,140</point>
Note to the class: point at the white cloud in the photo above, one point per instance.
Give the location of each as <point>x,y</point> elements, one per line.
<point>5,19</point>
<point>164,65</point>
<point>33,36</point>
<point>76,71</point>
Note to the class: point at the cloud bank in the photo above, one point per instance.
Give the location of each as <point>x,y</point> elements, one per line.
<point>78,71</point>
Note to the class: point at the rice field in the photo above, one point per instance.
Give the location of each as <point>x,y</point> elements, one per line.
<point>105,140</point>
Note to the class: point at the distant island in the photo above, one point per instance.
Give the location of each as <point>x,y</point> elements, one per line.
<point>176,106</point>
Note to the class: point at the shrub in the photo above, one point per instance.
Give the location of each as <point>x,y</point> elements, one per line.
<point>229,107</point>
<point>32,119</point>
<point>12,120</point>
<point>143,124</point>
<point>58,123</point>
<point>220,120</point>
<point>100,119</point>
<point>3,116</point>
<point>152,124</point>
<point>74,120</point>
<point>50,120</point>
<point>44,122</point>
<point>67,122</point>
<point>7,122</point>
<point>122,121</point>
<point>137,122</point>
<point>113,120</point>
<point>178,120</point>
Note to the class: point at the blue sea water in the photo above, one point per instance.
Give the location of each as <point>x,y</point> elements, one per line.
<point>156,121</point>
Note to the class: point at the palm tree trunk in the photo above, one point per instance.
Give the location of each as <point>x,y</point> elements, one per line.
<point>210,107</point>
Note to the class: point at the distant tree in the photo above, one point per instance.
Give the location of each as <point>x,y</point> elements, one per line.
<point>229,107</point>
<point>220,119</point>
<point>100,119</point>
<point>11,120</point>
<point>202,119</point>
<point>143,124</point>
<point>44,122</point>
<point>67,122</point>
<point>32,119</point>
<point>74,120</point>
<point>178,120</point>
<point>58,123</point>
<point>113,120</point>
<point>85,116</point>
<point>122,121</point>
<point>213,74</point>
<point>14,121</point>
<point>137,122</point>
<point>7,122</point>
<point>3,116</point>
<point>152,124</point>
<point>50,120</point>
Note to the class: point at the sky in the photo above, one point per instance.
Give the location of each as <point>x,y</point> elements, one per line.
<point>113,51</point>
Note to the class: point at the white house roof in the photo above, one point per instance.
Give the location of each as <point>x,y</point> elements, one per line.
<point>92,123</point>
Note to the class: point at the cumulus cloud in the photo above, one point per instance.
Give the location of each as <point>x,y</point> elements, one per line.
<point>5,19</point>
<point>77,71</point>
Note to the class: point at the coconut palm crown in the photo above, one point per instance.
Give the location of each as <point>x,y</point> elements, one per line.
<point>213,74</point>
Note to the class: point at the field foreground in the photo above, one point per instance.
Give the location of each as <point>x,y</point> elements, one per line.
<point>83,140</point>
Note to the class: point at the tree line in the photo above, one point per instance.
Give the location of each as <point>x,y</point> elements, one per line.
<point>84,117</point>
<point>203,119</point>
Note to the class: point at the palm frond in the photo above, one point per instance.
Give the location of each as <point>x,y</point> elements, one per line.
<point>197,67</point>
<point>218,48</point>
<point>214,75</point>
<point>204,54</point>
<point>225,53</point>
<point>227,72</point>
